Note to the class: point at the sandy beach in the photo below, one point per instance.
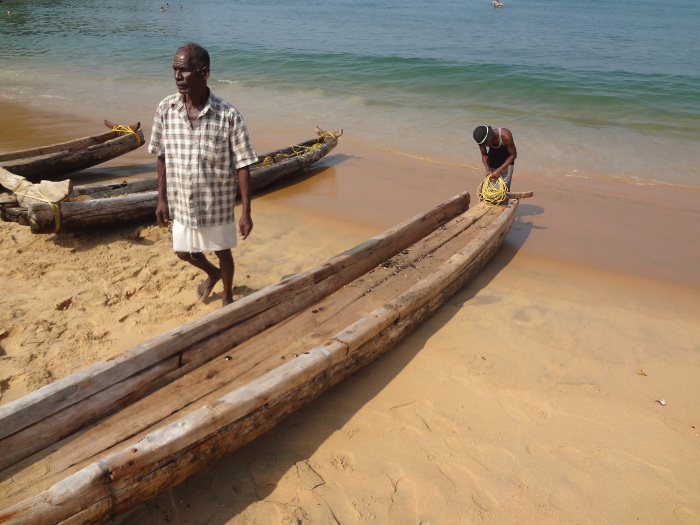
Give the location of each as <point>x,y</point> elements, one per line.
<point>531,397</point>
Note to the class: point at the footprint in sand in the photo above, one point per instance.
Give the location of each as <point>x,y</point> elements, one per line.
<point>265,475</point>
<point>523,407</point>
<point>307,476</point>
<point>564,499</point>
<point>343,461</point>
<point>531,316</point>
<point>468,484</point>
<point>686,515</point>
<point>404,506</point>
<point>574,490</point>
<point>422,415</point>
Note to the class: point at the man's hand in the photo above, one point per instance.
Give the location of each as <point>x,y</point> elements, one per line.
<point>245,226</point>
<point>162,208</point>
<point>163,213</point>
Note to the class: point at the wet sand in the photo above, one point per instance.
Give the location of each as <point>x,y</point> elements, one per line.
<point>520,401</point>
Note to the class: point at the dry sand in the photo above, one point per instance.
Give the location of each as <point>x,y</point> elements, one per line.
<point>520,401</point>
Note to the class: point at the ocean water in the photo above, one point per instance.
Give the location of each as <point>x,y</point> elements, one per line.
<point>589,88</point>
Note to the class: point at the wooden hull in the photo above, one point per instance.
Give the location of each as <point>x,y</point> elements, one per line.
<point>55,161</point>
<point>105,439</point>
<point>136,200</point>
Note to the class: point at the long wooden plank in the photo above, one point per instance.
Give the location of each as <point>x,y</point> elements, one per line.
<point>95,213</point>
<point>288,296</point>
<point>283,337</point>
<point>208,377</point>
<point>183,447</point>
<point>307,283</point>
<point>115,188</point>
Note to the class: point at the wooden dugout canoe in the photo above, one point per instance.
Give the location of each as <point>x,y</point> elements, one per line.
<point>55,161</point>
<point>135,200</point>
<point>103,440</point>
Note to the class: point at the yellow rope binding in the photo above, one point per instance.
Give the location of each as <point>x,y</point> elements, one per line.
<point>492,191</point>
<point>297,151</point>
<point>126,129</point>
<point>41,197</point>
<point>267,161</point>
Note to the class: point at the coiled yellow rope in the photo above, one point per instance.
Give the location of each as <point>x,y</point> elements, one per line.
<point>492,191</point>
<point>126,129</point>
<point>41,197</point>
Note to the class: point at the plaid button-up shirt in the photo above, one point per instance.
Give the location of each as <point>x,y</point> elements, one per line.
<point>201,159</point>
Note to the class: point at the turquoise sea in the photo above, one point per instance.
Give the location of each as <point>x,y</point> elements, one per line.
<point>589,88</point>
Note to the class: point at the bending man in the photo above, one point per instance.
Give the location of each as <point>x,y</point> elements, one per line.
<point>498,152</point>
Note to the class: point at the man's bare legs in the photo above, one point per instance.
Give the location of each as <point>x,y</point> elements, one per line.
<point>227,269</point>
<point>214,274</point>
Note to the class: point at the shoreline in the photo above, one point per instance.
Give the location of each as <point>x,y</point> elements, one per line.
<point>518,401</point>
<point>607,223</point>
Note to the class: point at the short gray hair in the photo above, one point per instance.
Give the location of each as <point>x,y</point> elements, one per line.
<point>200,56</point>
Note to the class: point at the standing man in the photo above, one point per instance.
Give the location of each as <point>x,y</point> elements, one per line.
<point>498,152</point>
<point>202,146</point>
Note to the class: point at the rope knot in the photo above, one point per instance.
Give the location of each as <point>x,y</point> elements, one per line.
<point>127,129</point>
<point>24,185</point>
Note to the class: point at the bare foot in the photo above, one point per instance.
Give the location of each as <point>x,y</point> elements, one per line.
<point>204,289</point>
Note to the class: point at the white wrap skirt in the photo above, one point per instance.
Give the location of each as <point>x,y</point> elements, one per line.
<point>209,238</point>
